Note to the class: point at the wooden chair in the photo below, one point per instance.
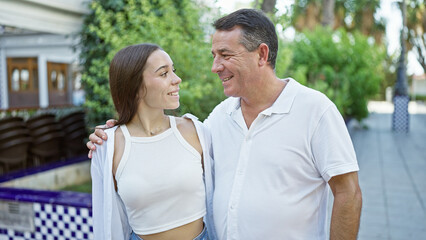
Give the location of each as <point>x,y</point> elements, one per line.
<point>71,118</point>
<point>38,132</point>
<point>11,119</point>
<point>74,128</point>
<point>13,133</point>
<point>48,147</point>
<point>14,143</point>
<point>41,121</point>
<point>11,123</point>
<point>14,152</point>
<point>47,137</point>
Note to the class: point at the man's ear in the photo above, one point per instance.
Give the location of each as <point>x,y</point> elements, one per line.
<point>263,51</point>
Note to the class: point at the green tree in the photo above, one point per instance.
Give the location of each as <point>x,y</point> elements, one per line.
<point>173,24</point>
<point>344,66</point>
<point>353,15</point>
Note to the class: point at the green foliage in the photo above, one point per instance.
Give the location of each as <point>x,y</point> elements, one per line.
<point>172,24</point>
<point>418,97</point>
<point>85,187</point>
<point>284,57</point>
<point>345,67</point>
<point>353,15</point>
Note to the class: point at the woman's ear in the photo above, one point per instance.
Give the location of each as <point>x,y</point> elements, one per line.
<point>263,51</point>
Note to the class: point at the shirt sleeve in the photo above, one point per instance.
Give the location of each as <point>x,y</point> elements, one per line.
<point>96,171</point>
<point>109,214</point>
<point>205,141</point>
<point>332,147</point>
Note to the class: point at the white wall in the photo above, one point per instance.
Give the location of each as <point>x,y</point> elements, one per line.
<point>4,101</point>
<point>50,16</point>
<point>418,87</point>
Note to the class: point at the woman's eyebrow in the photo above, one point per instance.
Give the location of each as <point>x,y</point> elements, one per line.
<point>164,66</point>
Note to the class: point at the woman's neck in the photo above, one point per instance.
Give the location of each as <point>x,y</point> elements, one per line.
<point>145,124</point>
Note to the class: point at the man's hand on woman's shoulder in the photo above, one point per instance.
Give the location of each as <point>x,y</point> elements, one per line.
<point>98,136</point>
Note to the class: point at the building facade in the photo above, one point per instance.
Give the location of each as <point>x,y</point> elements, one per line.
<point>39,53</point>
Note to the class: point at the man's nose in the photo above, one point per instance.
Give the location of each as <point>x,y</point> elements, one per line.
<point>217,65</point>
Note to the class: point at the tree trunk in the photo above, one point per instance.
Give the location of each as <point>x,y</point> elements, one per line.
<point>312,15</point>
<point>367,21</point>
<point>268,6</point>
<point>416,24</point>
<point>328,13</point>
<point>401,81</point>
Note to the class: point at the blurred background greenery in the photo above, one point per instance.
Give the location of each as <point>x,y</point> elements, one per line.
<point>338,48</point>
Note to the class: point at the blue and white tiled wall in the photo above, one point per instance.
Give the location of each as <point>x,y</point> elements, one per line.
<point>28,214</point>
<point>55,222</point>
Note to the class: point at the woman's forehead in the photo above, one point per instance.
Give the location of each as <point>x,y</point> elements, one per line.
<point>158,59</point>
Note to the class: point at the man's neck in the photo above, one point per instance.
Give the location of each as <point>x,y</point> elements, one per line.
<point>261,99</point>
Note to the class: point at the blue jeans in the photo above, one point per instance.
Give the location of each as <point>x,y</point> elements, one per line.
<point>201,236</point>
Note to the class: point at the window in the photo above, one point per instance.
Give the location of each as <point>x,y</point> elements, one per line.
<point>25,79</point>
<point>58,76</point>
<point>15,80</point>
<point>22,74</point>
<point>59,92</point>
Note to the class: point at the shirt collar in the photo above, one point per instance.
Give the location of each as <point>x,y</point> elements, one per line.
<point>282,105</point>
<point>233,105</point>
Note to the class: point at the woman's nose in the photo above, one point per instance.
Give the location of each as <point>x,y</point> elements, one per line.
<point>176,79</point>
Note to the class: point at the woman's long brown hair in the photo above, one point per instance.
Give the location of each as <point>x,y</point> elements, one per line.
<point>126,78</point>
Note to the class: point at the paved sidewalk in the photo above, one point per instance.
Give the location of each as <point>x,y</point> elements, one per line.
<point>392,174</point>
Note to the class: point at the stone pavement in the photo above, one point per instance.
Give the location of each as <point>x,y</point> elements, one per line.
<point>392,174</point>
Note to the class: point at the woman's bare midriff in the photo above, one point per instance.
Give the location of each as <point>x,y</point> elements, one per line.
<point>186,232</point>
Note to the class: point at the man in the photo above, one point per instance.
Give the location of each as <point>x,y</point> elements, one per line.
<point>276,144</point>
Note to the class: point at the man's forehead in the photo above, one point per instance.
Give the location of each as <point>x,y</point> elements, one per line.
<point>235,31</point>
<point>225,41</point>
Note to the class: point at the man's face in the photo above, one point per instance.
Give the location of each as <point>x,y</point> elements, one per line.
<point>234,65</point>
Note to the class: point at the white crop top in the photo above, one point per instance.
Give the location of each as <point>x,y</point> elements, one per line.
<point>160,180</point>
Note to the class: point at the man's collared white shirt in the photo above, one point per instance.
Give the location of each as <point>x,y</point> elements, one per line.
<point>271,180</point>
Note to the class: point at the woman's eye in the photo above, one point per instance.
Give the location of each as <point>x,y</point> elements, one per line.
<point>164,74</point>
<point>174,70</point>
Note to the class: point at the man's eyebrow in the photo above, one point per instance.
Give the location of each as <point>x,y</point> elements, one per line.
<point>221,50</point>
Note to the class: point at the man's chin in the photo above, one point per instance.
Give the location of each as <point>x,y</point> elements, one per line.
<point>229,92</point>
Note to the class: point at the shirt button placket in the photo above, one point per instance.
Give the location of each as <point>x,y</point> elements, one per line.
<point>237,188</point>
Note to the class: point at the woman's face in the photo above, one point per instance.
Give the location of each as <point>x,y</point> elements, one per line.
<point>160,83</point>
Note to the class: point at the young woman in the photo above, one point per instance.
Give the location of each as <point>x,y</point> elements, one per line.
<point>148,176</point>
